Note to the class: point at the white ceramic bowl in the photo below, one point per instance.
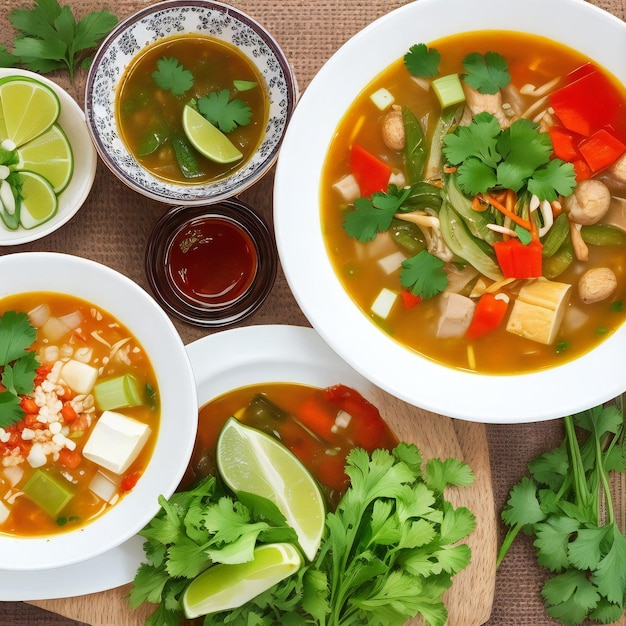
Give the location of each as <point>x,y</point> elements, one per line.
<point>588,381</point>
<point>72,121</point>
<point>124,299</point>
<point>162,20</point>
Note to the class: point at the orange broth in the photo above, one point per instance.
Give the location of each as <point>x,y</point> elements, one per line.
<point>304,422</point>
<point>114,351</point>
<point>145,111</point>
<point>530,59</point>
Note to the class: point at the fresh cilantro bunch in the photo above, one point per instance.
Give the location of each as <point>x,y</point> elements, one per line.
<point>389,552</point>
<point>18,365</point>
<point>566,505</point>
<point>517,158</point>
<point>50,38</point>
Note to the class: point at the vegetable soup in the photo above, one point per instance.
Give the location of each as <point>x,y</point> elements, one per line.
<point>211,76</point>
<point>320,426</point>
<point>473,202</point>
<point>79,413</point>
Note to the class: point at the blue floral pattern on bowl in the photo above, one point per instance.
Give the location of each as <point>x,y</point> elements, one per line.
<point>169,18</point>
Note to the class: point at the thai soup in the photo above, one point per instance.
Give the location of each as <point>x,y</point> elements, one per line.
<point>211,76</point>
<point>79,413</point>
<point>320,426</point>
<point>473,202</point>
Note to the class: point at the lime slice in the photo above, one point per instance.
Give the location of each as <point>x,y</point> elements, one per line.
<point>253,462</point>
<point>207,139</point>
<point>28,106</point>
<point>50,155</point>
<point>227,586</point>
<point>39,202</point>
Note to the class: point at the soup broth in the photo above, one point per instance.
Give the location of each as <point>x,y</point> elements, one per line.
<point>320,426</point>
<point>56,472</point>
<point>149,113</point>
<point>369,269</point>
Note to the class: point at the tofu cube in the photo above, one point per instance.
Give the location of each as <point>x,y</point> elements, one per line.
<point>116,441</point>
<point>79,376</point>
<point>105,485</point>
<point>382,99</point>
<point>456,314</point>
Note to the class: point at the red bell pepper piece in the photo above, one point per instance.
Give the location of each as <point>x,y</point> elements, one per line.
<point>564,143</point>
<point>517,260</point>
<point>601,150</point>
<point>588,102</point>
<point>582,170</point>
<point>370,172</point>
<point>489,313</point>
<point>410,299</point>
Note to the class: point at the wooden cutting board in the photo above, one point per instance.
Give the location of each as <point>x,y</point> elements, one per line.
<point>469,600</point>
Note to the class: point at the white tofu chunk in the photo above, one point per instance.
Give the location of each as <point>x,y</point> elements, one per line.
<point>384,302</point>
<point>348,188</point>
<point>105,486</point>
<point>392,262</point>
<point>456,314</point>
<point>116,441</point>
<point>5,511</point>
<point>382,98</point>
<point>79,376</point>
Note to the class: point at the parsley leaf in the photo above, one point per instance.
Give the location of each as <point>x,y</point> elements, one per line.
<point>49,37</point>
<point>487,74</point>
<point>424,275</point>
<point>422,61</point>
<point>171,75</point>
<point>221,111</point>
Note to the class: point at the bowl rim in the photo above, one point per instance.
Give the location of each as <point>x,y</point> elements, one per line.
<point>270,159</point>
<point>70,110</point>
<point>401,372</point>
<point>103,287</point>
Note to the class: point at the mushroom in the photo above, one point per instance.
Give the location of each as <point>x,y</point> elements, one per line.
<point>597,284</point>
<point>589,203</point>
<point>393,130</point>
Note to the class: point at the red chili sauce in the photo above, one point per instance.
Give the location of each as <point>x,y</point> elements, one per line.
<point>211,261</point>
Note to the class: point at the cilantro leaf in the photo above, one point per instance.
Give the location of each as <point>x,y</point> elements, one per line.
<point>424,275</point>
<point>20,377</point>
<point>171,75</point>
<point>422,61</point>
<point>487,74</point>
<point>479,140</point>
<point>49,37</point>
<point>16,336</point>
<point>557,178</point>
<point>221,111</point>
<point>10,411</point>
<point>368,218</point>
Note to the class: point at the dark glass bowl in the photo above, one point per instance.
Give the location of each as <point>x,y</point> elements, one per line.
<point>164,246</point>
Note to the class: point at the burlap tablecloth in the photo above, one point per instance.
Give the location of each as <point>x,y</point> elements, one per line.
<point>114,224</point>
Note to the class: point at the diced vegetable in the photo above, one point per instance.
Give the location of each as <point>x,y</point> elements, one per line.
<point>382,98</point>
<point>120,391</point>
<point>601,150</point>
<point>449,90</point>
<point>79,377</point>
<point>409,298</point>
<point>384,303</point>
<point>564,143</point>
<point>244,85</point>
<point>518,260</point>
<point>488,315</point>
<point>47,492</point>
<point>370,172</point>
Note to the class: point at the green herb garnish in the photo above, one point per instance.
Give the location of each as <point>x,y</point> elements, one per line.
<point>49,38</point>
<point>171,75</point>
<point>221,111</point>
<point>567,505</point>
<point>423,275</point>
<point>517,157</point>
<point>422,61</point>
<point>17,364</point>
<point>487,74</point>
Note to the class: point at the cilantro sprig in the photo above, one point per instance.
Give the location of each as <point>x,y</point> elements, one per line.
<point>561,505</point>
<point>390,550</point>
<point>221,111</point>
<point>18,364</point>
<point>518,157</point>
<point>49,37</point>
<point>171,75</point>
<point>423,275</point>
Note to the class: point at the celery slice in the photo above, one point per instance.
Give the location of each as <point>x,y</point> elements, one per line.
<point>48,493</point>
<point>120,391</point>
<point>449,90</point>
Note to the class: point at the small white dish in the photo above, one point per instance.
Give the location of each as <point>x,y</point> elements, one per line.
<point>552,393</point>
<point>72,121</point>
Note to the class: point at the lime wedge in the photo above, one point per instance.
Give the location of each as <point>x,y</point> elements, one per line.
<point>50,155</point>
<point>251,461</point>
<point>207,139</point>
<point>39,202</point>
<point>227,586</point>
<point>28,106</point>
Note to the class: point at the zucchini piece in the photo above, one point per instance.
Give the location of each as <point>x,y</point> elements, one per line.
<point>47,492</point>
<point>120,391</point>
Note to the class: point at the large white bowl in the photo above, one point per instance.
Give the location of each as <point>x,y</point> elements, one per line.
<point>133,307</point>
<point>72,121</point>
<point>176,17</point>
<point>588,381</point>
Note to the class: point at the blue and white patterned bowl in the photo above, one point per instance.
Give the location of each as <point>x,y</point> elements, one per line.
<point>165,19</point>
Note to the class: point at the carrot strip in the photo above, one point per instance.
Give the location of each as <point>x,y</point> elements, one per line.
<point>505,211</point>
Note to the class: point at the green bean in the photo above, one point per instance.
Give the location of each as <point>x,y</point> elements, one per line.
<point>414,147</point>
<point>408,236</point>
<point>556,264</point>
<point>556,236</point>
<point>603,235</point>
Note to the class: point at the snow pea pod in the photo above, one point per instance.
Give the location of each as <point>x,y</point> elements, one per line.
<point>556,236</point>
<point>408,236</point>
<point>556,264</point>
<point>603,235</point>
<point>414,146</point>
